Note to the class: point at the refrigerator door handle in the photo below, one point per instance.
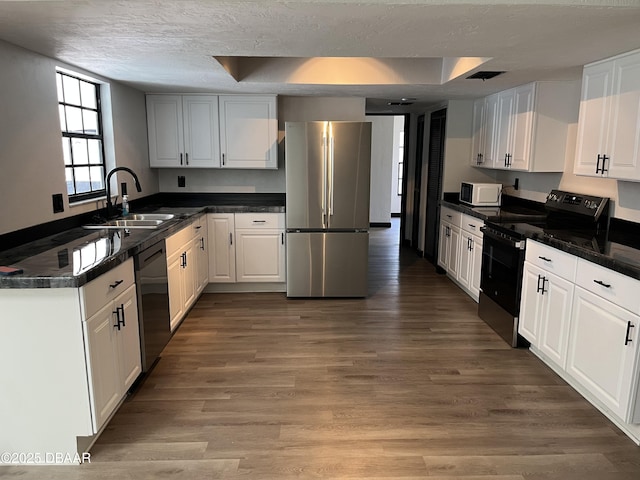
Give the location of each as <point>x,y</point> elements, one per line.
<point>332,167</point>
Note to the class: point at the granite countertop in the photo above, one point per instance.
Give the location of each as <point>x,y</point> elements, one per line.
<point>72,258</point>
<point>513,213</point>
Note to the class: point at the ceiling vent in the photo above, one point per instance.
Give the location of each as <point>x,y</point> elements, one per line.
<point>484,75</point>
<point>402,101</point>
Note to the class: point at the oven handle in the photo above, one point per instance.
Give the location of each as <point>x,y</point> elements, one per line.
<point>518,244</point>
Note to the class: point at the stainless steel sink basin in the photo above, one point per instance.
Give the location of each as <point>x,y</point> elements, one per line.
<point>150,216</point>
<point>125,224</point>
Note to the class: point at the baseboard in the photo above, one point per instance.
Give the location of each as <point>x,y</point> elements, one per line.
<point>380,225</point>
<point>396,215</point>
<point>245,287</point>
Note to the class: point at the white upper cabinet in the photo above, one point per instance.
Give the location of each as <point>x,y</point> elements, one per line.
<point>183,131</point>
<point>609,123</point>
<point>248,131</point>
<point>525,128</point>
<point>478,134</point>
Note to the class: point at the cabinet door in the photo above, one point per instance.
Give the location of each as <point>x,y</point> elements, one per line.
<point>624,127</point>
<point>166,136</point>
<point>128,338</point>
<point>248,131</point>
<point>102,356</point>
<point>478,133</point>
<point>260,255</point>
<point>465,260</point>
<point>200,246</point>
<point>443,245</point>
<point>476,266</point>
<point>189,274</point>
<point>505,110</point>
<point>598,358</point>
<point>593,121</point>
<point>531,303</point>
<point>522,127</point>
<point>222,253</point>
<point>201,131</point>
<point>490,131</point>
<point>176,286</point>
<point>454,242</point>
<point>555,315</point>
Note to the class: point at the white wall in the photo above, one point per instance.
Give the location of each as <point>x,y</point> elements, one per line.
<point>398,129</point>
<point>290,109</point>
<point>31,154</point>
<point>382,129</point>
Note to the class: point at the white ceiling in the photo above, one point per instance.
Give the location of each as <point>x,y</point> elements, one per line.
<point>167,46</point>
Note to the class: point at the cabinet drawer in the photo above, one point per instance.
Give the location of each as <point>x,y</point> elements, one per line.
<point>552,260</point>
<point>451,216</point>
<point>107,286</point>
<point>260,220</point>
<point>610,285</point>
<point>471,224</point>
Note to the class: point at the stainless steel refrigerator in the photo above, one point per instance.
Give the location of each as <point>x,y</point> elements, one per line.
<point>327,209</point>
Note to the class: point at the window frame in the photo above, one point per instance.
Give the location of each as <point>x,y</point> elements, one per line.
<point>99,136</point>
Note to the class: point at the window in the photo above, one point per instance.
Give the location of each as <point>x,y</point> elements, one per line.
<point>82,142</point>
<point>400,162</point>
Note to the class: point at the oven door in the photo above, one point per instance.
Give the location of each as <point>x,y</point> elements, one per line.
<point>502,264</point>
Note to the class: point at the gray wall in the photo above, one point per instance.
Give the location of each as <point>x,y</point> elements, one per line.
<point>31,154</point>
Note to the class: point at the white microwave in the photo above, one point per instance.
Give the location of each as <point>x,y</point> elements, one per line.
<point>481,194</point>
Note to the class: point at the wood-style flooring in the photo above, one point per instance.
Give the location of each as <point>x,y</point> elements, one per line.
<point>406,384</point>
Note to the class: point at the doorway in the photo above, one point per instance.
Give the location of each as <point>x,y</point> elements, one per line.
<point>417,185</point>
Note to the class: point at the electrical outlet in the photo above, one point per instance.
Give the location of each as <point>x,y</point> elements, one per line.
<point>181,181</point>
<point>58,203</point>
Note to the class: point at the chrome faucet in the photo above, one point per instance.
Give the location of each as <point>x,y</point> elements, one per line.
<point>110,206</point>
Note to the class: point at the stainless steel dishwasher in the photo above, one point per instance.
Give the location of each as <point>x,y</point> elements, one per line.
<point>153,302</point>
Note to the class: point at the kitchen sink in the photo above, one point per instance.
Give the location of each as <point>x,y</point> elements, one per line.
<point>133,223</point>
<point>149,216</point>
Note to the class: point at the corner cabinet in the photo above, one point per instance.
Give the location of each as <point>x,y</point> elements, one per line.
<point>608,143</point>
<point>183,131</point>
<point>248,131</point>
<point>524,128</point>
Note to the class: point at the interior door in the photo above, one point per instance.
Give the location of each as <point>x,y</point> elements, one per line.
<point>417,183</point>
<point>434,182</point>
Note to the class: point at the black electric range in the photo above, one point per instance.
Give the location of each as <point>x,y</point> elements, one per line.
<point>580,220</point>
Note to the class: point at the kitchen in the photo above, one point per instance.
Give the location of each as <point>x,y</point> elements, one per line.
<point>32,90</point>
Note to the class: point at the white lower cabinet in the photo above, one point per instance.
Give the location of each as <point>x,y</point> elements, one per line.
<point>470,255</point>
<point>113,351</point>
<point>185,269</point>
<point>585,325</point>
<point>247,248</point>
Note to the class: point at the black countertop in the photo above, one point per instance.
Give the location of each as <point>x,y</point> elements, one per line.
<point>76,256</point>
<point>619,251</point>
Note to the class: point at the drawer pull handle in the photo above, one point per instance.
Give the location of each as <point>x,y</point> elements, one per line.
<point>600,282</point>
<point>115,285</point>
<point>472,225</point>
<point>544,258</point>
<point>198,227</point>
<point>628,340</point>
<point>259,221</point>
<point>449,216</point>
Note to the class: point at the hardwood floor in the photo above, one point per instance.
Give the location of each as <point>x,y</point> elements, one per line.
<point>406,384</point>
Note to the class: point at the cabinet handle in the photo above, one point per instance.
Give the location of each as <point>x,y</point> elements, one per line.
<point>259,221</point>
<point>604,161</point>
<point>472,225</point>
<point>117,314</point>
<point>201,243</point>
<point>598,163</point>
<point>186,157</point>
<point>544,258</point>
<point>540,288</point>
<point>198,227</point>
<point>121,308</point>
<point>449,216</point>
<point>223,159</point>
<point>282,238</point>
<point>600,282</point>
<point>180,159</point>
<point>479,160</point>
<point>115,285</point>
<point>230,238</point>
<point>185,259</point>
<point>628,340</point>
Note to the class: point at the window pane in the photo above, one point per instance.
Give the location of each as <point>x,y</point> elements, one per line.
<point>68,173</point>
<point>95,151</point>
<point>66,151</point>
<point>59,86</point>
<point>63,118</point>
<point>83,180</point>
<point>74,120</point>
<point>90,122</point>
<point>96,178</point>
<point>88,93</point>
<point>71,90</point>
<point>80,155</point>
